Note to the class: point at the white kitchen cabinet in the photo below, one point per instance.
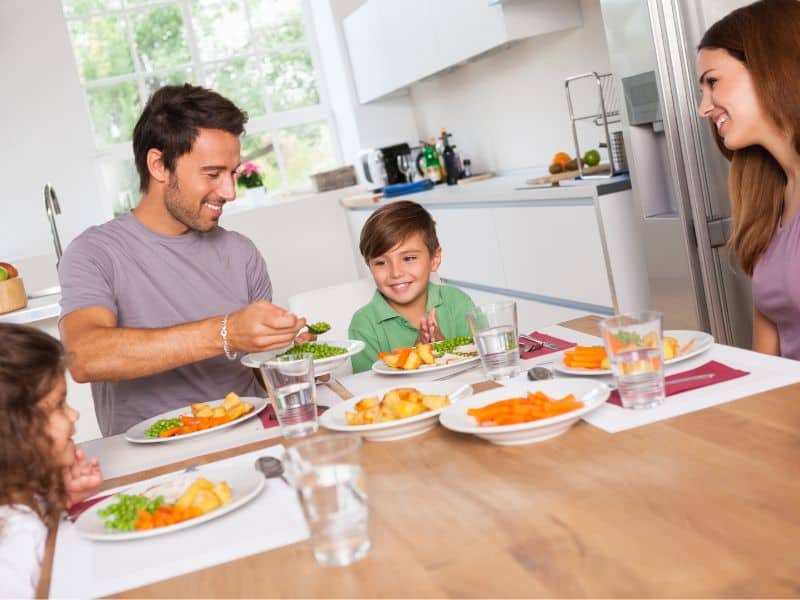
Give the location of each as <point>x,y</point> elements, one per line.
<point>393,44</point>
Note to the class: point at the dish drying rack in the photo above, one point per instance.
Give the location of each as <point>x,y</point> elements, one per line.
<point>608,113</point>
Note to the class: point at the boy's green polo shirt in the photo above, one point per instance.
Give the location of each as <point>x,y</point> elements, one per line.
<point>382,329</point>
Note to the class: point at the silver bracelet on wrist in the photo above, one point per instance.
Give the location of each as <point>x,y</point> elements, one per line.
<point>224,334</point>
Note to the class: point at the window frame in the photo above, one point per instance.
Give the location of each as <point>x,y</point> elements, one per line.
<point>270,122</point>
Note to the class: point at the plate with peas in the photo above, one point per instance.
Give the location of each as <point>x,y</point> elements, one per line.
<point>328,356</point>
<point>428,358</point>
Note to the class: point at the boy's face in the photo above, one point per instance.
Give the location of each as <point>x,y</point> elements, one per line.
<point>402,273</point>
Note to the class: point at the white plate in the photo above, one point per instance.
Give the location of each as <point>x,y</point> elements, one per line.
<point>136,434</point>
<point>591,393</point>
<point>382,368</point>
<point>245,484</point>
<point>322,366</point>
<point>703,341</point>
<point>334,418</point>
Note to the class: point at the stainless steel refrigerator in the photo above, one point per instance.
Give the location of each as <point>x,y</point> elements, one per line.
<point>678,176</point>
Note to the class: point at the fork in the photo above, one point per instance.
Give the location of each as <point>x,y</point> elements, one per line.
<point>549,345</point>
<point>457,372</point>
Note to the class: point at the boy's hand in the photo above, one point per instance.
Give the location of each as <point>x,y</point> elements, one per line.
<point>429,329</point>
<point>82,479</point>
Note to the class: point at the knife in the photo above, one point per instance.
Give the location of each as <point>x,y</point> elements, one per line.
<point>549,345</point>
<point>690,378</point>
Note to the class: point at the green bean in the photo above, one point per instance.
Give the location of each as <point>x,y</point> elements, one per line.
<point>122,515</point>
<point>318,350</point>
<point>162,425</point>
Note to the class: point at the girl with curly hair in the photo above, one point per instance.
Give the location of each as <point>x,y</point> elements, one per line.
<point>749,68</point>
<point>42,473</point>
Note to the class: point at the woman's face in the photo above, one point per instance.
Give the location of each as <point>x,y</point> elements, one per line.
<point>730,101</point>
<point>61,418</point>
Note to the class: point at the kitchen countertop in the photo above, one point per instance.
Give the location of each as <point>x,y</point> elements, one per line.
<point>512,187</point>
<point>38,309</point>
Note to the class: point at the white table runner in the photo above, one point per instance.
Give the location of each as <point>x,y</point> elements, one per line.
<point>84,569</point>
<point>119,457</point>
<point>765,373</point>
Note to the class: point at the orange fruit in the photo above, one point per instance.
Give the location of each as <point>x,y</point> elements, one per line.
<point>561,158</point>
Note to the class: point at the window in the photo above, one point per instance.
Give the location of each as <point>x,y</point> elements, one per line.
<point>258,53</point>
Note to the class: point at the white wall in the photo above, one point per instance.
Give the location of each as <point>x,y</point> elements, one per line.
<point>46,129</point>
<point>509,110</point>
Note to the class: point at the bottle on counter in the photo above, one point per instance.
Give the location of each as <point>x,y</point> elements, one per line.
<point>451,166</point>
<point>467,168</point>
<point>433,169</point>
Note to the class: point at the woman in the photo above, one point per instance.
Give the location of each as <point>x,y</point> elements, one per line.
<point>749,70</point>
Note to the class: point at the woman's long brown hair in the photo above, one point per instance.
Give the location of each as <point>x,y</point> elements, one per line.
<point>765,36</point>
<point>30,364</point>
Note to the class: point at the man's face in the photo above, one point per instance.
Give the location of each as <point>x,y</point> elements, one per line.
<point>203,180</point>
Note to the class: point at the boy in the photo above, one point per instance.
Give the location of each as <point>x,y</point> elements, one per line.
<point>399,244</point>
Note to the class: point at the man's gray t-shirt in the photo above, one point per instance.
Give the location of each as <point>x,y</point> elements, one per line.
<point>149,280</point>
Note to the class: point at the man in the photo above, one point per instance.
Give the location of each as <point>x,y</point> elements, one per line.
<point>157,303</point>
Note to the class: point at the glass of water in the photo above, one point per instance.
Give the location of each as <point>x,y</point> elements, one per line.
<point>327,474</point>
<point>494,328</point>
<point>289,380</point>
<point>634,346</point>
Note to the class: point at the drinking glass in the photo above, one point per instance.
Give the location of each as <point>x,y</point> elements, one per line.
<point>634,346</point>
<point>289,380</point>
<point>327,474</point>
<point>494,328</point>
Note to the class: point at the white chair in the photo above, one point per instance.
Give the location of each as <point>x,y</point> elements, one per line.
<point>334,305</point>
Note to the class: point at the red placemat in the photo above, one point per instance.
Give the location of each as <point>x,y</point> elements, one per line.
<point>721,373</point>
<point>562,345</point>
<point>269,419</point>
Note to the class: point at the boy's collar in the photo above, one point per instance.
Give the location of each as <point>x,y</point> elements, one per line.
<point>386,312</point>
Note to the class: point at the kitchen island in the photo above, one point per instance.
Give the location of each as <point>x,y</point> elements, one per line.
<point>560,252</point>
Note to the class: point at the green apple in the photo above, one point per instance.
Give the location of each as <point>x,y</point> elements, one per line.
<point>591,157</point>
<point>3,274</point>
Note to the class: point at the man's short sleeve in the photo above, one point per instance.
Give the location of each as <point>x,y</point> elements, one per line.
<point>258,281</point>
<point>86,275</point>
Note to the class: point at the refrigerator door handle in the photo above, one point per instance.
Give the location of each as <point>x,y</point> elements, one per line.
<point>718,231</point>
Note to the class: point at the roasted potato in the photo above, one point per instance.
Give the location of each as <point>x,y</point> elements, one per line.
<point>231,400</point>
<point>425,352</point>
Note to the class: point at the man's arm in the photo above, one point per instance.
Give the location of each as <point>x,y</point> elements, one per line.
<point>98,350</point>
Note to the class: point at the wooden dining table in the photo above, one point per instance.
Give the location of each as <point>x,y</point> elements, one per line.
<point>706,504</point>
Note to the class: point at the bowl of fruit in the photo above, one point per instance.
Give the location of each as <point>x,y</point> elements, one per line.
<point>12,290</point>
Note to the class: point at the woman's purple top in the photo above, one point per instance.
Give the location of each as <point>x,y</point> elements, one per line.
<point>776,286</point>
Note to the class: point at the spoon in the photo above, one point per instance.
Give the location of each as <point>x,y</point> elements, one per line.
<point>271,467</point>
<point>537,373</point>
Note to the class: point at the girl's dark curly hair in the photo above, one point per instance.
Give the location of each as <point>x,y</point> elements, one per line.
<point>30,364</point>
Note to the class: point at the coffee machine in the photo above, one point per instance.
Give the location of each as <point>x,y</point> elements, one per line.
<point>381,167</point>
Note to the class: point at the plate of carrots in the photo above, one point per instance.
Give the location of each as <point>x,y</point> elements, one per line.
<point>678,345</point>
<point>192,421</point>
<point>525,413</point>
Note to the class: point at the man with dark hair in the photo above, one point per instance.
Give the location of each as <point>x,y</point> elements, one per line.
<point>157,303</point>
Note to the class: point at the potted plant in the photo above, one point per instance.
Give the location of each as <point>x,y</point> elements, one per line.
<point>248,177</point>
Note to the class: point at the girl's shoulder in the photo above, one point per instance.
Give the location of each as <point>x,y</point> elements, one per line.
<point>18,517</point>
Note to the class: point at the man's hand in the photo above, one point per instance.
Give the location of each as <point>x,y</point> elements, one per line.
<point>429,329</point>
<point>262,326</point>
<point>82,479</point>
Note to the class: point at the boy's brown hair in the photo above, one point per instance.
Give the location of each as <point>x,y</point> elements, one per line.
<point>393,223</point>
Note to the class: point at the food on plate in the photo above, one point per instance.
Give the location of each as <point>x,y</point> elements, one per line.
<point>10,271</point>
<point>591,157</point>
<point>438,353</point>
<point>595,357</point>
<point>534,406</point>
<point>396,404</point>
<point>317,350</point>
<point>318,328</point>
<point>587,357</point>
<point>165,504</point>
<point>202,417</point>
